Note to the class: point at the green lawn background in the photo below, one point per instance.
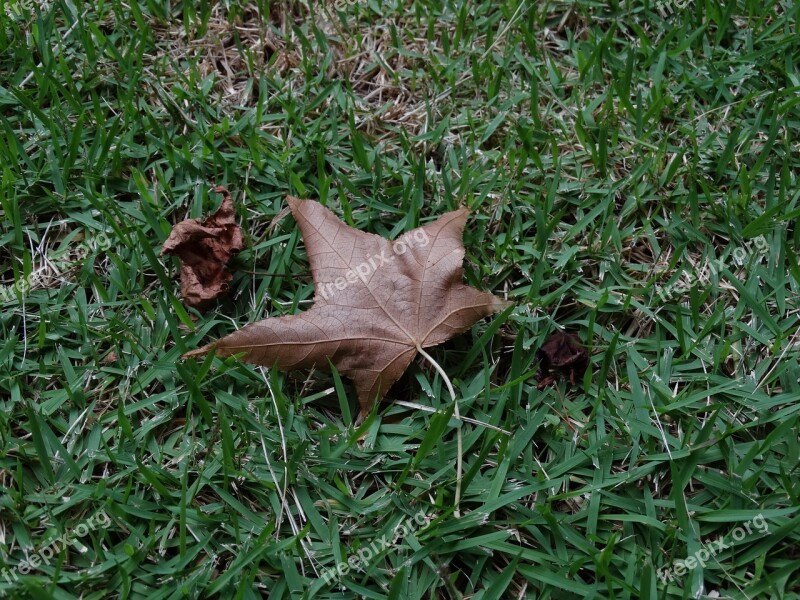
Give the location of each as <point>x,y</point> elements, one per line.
<point>632,172</point>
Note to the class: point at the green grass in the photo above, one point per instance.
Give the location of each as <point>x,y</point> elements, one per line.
<point>607,151</point>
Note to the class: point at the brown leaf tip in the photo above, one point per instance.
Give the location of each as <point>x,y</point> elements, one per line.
<point>198,352</point>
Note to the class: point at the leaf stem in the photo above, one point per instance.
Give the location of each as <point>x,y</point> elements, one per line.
<point>457,414</point>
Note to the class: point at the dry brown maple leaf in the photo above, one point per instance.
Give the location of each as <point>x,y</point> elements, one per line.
<point>377,302</point>
<point>205,247</point>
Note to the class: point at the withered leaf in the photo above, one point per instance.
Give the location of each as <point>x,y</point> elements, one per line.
<point>110,358</point>
<point>376,302</point>
<point>205,249</point>
<point>561,354</point>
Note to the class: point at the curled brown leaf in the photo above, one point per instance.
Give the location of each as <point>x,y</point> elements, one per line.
<point>204,248</point>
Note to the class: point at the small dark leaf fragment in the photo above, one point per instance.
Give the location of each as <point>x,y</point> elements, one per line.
<point>561,355</point>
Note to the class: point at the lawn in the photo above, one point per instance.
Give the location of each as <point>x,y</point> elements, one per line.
<point>631,169</point>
